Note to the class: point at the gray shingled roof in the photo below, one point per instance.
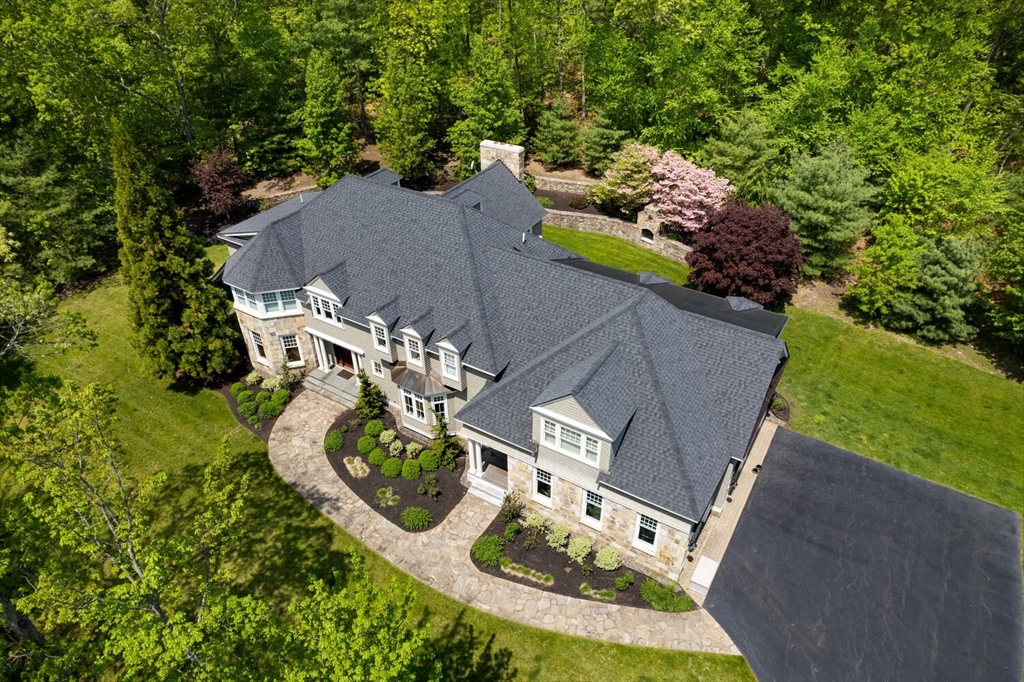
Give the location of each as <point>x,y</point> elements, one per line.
<point>500,196</point>
<point>253,225</point>
<point>384,176</point>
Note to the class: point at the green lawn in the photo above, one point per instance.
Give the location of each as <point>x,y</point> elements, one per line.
<point>178,432</point>
<point>878,395</point>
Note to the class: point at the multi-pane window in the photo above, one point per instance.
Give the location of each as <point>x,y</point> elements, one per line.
<point>245,299</point>
<point>571,442</point>
<point>380,337</point>
<point>378,368</point>
<point>270,302</point>
<point>257,345</point>
<point>290,344</point>
<point>325,309</point>
<point>450,363</point>
<point>440,405</point>
<point>288,300</point>
<point>647,529</point>
<point>543,479</point>
<point>412,406</point>
<point>592,506</point>
<point>415,349</point>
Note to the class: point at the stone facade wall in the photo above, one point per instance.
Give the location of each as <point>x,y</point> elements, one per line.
<point>618,523</point>
<point>512,155</point>
<point>270,330</point>
<point>631,232</point>
<point>550,184</point>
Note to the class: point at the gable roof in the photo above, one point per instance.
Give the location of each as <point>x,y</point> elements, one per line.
<point>500,196</point>
<point>252,226</point>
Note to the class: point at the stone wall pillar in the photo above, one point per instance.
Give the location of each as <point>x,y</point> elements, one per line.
<point>512,155</point>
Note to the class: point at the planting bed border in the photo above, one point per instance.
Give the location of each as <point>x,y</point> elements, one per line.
<point>266,425</point>
<point>452,490</point>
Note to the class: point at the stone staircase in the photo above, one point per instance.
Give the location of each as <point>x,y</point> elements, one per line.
<point>485,490</point>
<point>320,382</point>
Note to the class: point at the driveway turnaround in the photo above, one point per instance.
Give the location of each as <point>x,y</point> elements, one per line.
<point>843,568</point>
<point>440,556</point>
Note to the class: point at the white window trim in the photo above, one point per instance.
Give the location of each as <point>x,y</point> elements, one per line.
<point>265,360</point>
<point>258,308</point>
<point>640,544</point>
<point>557,445</point>
<point>410,341</point>
<point>439,400</point>
<point>318,301</point>
<point>571,423</point>
<point>386,348</point>
<point>589,520</point>
<point>374,365</point>
<point>412,413</point>
<point>444,365</point>
<point>537,497</point>
<point>301,362</point>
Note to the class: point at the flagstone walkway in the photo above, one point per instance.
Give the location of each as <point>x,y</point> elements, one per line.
<point>440,557</point>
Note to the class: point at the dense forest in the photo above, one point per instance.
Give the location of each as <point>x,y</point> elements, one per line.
<point>916,108</point>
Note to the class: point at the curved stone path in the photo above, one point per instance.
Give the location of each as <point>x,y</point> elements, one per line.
<point>440,557</point>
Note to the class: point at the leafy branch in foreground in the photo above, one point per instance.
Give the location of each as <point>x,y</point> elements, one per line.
<point>31,325</point>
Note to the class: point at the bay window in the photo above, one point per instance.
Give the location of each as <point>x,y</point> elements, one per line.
<point>412,406</point>
<point>267,303</point>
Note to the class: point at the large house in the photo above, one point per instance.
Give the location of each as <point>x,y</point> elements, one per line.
<point>621,405</point>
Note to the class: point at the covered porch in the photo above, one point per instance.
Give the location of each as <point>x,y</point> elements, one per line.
<point>487,472</point>
<point>337,383</point>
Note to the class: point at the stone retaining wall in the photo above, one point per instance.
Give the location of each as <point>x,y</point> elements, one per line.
<point>550,184</point>
<point>631,232</point>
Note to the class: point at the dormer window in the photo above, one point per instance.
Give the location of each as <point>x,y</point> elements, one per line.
<point>380,337</point>
<point>415,349</point>
<point>325,309</point>
<point>571,442</point>
<point>450,364</point>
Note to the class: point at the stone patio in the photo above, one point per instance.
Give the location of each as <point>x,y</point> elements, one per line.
<point>440,557</point>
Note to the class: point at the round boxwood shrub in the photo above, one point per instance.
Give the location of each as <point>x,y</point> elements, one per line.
<point>377,457</point>
<point>262,397</point>
<point>410,470</point>
<point>246,397</point>
<point>366,444</point>
<point>374,427</point>
<point>396,448</point>
<point>488,550</point>
<point>607,559</point>
<point>246,410</point>
<point>281,397</point>
<point>237,388</point>
<point>416,518</point>
<point>428,460</point>
<point>391,467</point>
<point>333,441</point>
<point>270,410</point>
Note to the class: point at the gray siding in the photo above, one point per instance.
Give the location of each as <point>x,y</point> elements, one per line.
<point>572,409</point>
<point>604,461</point>
<point>496,444</point>
<point>570,469</point>
<point>351,334</point>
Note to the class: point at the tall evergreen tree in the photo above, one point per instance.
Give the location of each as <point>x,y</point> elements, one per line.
<point>328,145</point>
<point>557,140</point>
<point>407,94</point>
<point>177,314</point>
<point>745,152</point>
<point>826,196</point>
<point>1006,269</point>
<point>600,143</point>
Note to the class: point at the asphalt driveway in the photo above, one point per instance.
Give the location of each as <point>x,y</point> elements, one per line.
<point>843,568</point>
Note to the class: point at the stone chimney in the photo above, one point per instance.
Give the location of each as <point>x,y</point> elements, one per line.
<point>512,155</point>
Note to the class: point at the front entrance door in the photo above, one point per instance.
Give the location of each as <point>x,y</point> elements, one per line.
<point>343,358</point>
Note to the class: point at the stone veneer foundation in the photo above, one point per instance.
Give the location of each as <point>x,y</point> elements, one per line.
<point>271,330</point>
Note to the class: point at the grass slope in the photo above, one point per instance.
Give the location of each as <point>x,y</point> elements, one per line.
<point>178,432</point>
<point>877,395</point>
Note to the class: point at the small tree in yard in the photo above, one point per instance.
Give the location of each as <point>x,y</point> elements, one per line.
<point>220,180</point>
<point>626,184</point>
<point>557,140</point>
<point>370,403</point>
<point>446,445</point>
<point>747,251</point>
<point>684,193</point>
<point>887,271</point>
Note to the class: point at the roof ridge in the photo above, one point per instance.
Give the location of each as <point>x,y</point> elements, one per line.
<point>486,313</point>
<point>595,366</point>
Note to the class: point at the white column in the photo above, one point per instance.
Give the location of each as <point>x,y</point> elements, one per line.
<point>475,464</point>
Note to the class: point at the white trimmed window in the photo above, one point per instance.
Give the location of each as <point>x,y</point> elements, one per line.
<point>325,309</point>
<point>244,299</point>
<point>288,300</point>
<point>412,406</point>
<point>542,485</point>
<point>292,352</point>
<point>450,364</point>
<point>267,303</point>
<point>380,337</point>
<point>571,442</point>
<point>414,349</point>
<point>378,368</point>
<point>257,346</point>
<point>592,507</point>
<point>440,405</point>
<point>270,302</point>
<point>646,531</point>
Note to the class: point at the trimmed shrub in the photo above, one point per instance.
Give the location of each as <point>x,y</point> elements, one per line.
<point>387,498</point>
<point>664,598</point>
<point>411,470</point>
<point>270,410</point>
<point>416,518</point>
<point>253,378</point>
<point>579,549</point>
<point>333,441</point>
<point>607,559</point>
<point>511,507</point>
<point>374,427</point>
<point>237,388</point>
<point>488,550</point>
<point>377,457</point>
<point>428,460</point>
<point>558,536</point>
<point>396,448</point>
<point>624,582</point>
<point>246,410</point>
<point>274,384</point>
<point>535,521</point>
<point>370,403</point>
<point>511,531</point>
<point>255,418</point>
<point>262,397</point>
<point>281,397</point>
<point>391,468</point>
<point>413,450</point>
<point>579,201</point>
<point>365,444</point>
<point>431,488</point>
<point>387,436</point>
<point>246,397</point>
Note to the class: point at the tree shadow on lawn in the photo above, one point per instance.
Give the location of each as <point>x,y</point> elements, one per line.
<point>465,655</point>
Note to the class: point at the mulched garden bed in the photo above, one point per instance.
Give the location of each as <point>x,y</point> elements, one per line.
<point>560,202</point>
<point>568,575</point>
<point>452,491</point>
<point>265,426</point>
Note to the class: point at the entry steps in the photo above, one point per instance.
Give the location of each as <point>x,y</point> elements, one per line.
<point>332,391</point>
<point>485,490</point>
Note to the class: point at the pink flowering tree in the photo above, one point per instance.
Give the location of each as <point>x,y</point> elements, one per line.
<point>684,193</point>
<point>627,184</point>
